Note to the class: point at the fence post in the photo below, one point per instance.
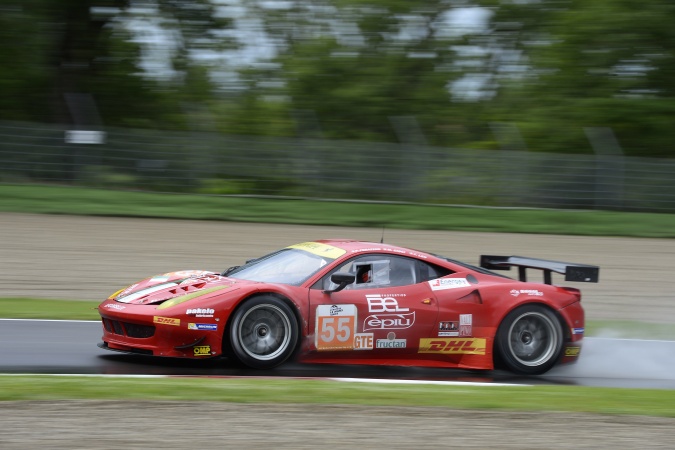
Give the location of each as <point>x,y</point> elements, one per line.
<point>87,129</point>
<point>514,171</point>
<point>415,158</point>
<point>609,168</point>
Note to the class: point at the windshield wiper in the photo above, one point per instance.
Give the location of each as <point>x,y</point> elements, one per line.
<point>228,271</point>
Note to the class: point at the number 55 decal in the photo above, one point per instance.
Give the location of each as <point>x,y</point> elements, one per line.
<point>335,327</point>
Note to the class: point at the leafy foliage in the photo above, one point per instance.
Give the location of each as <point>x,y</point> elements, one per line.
<point>348,69</point>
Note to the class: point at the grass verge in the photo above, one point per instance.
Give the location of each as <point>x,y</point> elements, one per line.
<point>35,308</point>
<point>645,402</point>
<point>86,201</point>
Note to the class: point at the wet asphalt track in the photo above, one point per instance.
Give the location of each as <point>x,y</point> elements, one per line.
<point>69,347</point>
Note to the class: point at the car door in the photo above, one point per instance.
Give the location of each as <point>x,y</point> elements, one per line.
<point>385,312</point>
<point>463,322</point>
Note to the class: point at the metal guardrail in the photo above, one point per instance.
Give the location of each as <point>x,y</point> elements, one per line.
<point>211,163</point>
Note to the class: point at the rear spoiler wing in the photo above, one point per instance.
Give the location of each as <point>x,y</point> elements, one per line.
<point>572,271</point>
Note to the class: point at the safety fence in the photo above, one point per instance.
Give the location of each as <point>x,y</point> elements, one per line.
<point>211,163</point>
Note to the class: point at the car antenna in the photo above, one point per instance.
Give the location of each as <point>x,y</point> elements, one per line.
<point>382,238</point>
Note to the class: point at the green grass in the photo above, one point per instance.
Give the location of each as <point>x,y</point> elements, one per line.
<point>34,308</point>
<point>648,402</point>
<point>86,201</point>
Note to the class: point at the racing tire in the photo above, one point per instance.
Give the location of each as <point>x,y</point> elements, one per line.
<point>264,332</point>
<point>529,340</point>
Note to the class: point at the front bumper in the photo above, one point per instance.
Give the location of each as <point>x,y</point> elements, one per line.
<point>161,336</point>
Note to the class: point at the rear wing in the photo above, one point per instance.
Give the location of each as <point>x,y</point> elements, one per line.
<point>572,271</point>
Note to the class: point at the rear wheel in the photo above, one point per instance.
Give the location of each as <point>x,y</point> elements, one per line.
<point>529,340</point>
<point>264,332</point>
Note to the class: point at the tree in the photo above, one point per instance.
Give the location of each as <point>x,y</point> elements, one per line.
<point>349,66</point>
<point>60,47</point>
<point>585,64</point>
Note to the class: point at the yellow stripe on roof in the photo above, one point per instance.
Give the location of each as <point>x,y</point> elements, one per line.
<point>320,249</point>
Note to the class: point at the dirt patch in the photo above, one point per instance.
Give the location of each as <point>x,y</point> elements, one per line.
<point>180,425</point>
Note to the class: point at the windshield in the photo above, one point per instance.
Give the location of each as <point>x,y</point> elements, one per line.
<point>288,266</point>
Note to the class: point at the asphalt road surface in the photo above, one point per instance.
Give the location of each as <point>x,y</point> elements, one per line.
<point>69,347</point>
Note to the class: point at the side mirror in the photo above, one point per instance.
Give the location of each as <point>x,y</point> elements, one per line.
<point>342,280</point>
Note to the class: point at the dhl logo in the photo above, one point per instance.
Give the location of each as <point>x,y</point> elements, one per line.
<point>202,350</point>
<point>469,346</point>
<point>572,351</point>
<point>166,320</point>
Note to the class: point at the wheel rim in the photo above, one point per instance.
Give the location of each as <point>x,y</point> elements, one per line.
<point>533,339</point>
<point>264,332</point>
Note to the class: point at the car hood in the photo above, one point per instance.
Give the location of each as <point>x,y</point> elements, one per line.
<point>160,288</point>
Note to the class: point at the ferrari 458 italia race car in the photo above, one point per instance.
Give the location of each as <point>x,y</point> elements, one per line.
<point>352,302</point>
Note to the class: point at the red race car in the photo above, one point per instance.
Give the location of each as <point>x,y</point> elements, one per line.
<point>352,302</point>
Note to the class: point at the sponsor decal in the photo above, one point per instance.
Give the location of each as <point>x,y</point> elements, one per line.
<point>166,320</point>
<point>572,351</point>
<point>115,306</point>
<point>418,255</point>
<point>335,327</point>
<point>391,342</point>
<point>389,321</point>
<point>453,346</point>
<point>450,328</point>
<point>370,249</point>
<point>363,341</point>
<point>200,312</point>
<point>202,350</point>
<point>198,293</point>
<point>578,331</point>
<point>440,284</point>
<point>203,326</point>
<point>388,304</point>
<point>209,277</point>
<point>532,292</point>
<point>465,322</point>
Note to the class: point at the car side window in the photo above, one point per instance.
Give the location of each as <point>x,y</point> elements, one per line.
<point>431,272</point>
<point>374,271</point>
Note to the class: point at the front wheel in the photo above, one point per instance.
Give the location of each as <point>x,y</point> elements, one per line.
<point>529,340</point>
<point>264,332</point>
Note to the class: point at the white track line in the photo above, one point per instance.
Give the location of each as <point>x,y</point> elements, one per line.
<point>449,383</point>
